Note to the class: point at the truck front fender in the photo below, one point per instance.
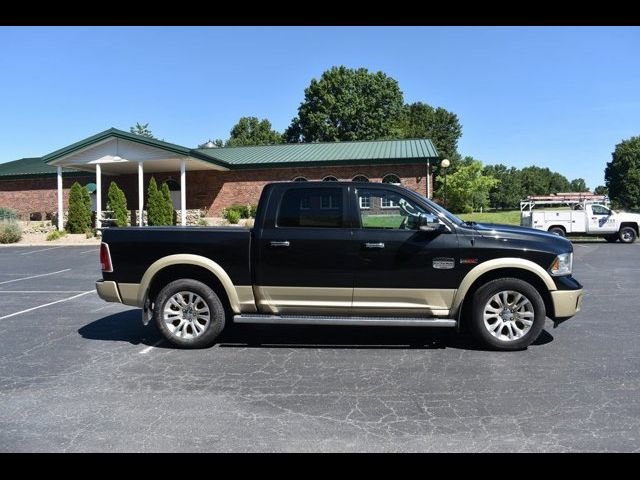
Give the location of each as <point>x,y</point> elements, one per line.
<point>189,259</point>
<point>495,264</point>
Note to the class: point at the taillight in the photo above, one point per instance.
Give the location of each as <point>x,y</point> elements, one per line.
<point>105,258</point>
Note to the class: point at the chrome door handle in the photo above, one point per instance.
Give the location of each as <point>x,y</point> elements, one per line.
<point>374,245</point>
<point>280,244</point>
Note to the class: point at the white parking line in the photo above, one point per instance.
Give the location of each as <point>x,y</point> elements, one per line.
<point>93,250</point>
<point>40,291</point>
<point>43,250</point>
<point>148,349</point>
<point>34,276</point>
<point>46,305</point>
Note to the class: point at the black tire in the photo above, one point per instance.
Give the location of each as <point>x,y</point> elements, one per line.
<point>211,329</point>
<point>611,238</point>
<point>481,300</point>
<point>627,234</point>
<point>558,231</point>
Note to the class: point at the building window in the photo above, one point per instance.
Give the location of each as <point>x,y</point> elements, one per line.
<point>365,202</point>
<point>329,178</point>
<point>328,202</point>
<point>392,179</point>
<point>359,178</point>
<point>300,179</point>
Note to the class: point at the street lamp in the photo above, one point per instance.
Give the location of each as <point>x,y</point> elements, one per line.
<point>444,164</point>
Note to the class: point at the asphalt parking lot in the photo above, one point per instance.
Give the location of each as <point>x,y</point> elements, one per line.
<point>79,374</point>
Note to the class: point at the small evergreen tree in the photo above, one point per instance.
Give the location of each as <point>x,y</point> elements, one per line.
<point>167,205</point>
<point>79,218</point>
<point>118,204</point>
<point>154,204</point>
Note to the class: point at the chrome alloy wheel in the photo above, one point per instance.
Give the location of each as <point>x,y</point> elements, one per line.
<point>627,236</point>
<point>508,315</point>
<point>186,315</point>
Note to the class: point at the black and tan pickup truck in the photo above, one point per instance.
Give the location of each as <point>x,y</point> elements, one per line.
<point>343,253</point>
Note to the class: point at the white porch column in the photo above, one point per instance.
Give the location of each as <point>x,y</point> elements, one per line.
<point>428,181</point>
<point>183,192</point>
<point>98,196</point>
<point>60,212</point>
<point>140,192</point>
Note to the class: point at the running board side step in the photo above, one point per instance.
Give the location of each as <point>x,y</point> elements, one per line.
<point>332,320</point>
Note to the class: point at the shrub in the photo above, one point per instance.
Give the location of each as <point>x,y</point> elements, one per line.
<point>8,214</point>
<point>56,234</point>
<point>467,209</point>
<point>232,216</point>
<point>117,203</point>
<point>202,222</point>
<point>10,232</point>
<point>90,233</point>
<point>245,211</point>
<point>167,204</point>
<point>79,218</point>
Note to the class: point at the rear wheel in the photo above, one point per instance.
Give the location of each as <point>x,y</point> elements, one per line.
<point>507,314</point>
<point>558,231</point>
<point>627,235</point>
<point>189,314</point>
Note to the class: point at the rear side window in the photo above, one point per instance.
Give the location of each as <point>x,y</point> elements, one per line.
<point>311,207</point>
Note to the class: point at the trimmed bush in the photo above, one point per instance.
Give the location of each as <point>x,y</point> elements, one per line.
<point>8,214</point>
<point>56,234</point>
<point>245,211</point>
<point>232,216</point>
<point>117,203</point>
<point>10,232</point>
<point>169,212</point>
<point>79,218</point>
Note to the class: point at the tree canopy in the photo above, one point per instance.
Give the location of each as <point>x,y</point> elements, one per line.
<point>252,131</point>
<point>347,104</point>
<point>468,187</point>
<point>622,174</point>
<point>142,130</point>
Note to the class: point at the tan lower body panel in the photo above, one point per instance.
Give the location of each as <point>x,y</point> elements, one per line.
<point>359,301</point>
<point>108,291</point>
<point>129,293</point>
<point>566,303</point>
<point>246,299</point>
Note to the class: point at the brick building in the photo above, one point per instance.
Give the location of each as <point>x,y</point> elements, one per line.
<point>209,179</point>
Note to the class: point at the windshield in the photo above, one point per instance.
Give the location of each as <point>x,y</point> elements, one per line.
<point>444,213</point>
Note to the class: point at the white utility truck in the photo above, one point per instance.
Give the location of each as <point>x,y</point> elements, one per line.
<point>579,213</point>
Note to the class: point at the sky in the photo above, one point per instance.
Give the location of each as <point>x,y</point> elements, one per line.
<point>557,97</point>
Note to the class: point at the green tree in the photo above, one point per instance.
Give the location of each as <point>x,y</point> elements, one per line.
<point>142,130</point>
<point>601,190</point>
<point>252,131</point>
<point>579,185</point>
<point>508,193</point>
<point>168,217</point>
<point>117,203</point>
<point>347,104</point>
<point>79,217</point>
<point>542,181</point>
<point>155,210</point>
<point>467,188</point>
<point>622,174</point>
<point>419,120</point>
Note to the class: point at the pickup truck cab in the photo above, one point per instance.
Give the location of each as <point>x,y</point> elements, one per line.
<point>343,253</point>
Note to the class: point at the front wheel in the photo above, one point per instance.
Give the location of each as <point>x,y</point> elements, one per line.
<point>627,235</point>
<point>507,314</point>
<point>189,314</point>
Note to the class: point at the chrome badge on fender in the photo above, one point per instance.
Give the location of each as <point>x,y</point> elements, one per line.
<point>443,263</point>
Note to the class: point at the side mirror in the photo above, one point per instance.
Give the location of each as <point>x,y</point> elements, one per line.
<point>426,224</point>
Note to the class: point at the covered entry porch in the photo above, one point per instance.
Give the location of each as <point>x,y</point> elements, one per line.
<point>112,153</point>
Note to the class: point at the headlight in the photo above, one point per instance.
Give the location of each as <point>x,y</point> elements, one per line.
<point>562,264</point>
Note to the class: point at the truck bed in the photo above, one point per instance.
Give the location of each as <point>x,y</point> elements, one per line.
<point>134,249</point>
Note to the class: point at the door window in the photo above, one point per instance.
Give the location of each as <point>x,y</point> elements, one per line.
<point>600,210</point>
<point>311,207</point>
<point>389,210</point>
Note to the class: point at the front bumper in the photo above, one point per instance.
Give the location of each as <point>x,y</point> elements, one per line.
<point>566,303</point>
<point>108,291</point>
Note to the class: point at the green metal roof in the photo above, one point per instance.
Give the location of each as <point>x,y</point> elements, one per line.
<point>376,151</point>
<point>30,167</point>
<point>417,150</point>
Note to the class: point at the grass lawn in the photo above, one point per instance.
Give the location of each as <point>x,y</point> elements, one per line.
<point>506,217</point>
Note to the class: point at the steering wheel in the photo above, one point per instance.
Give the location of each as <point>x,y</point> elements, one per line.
<point>403,224</point>
<point>404,206</point>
